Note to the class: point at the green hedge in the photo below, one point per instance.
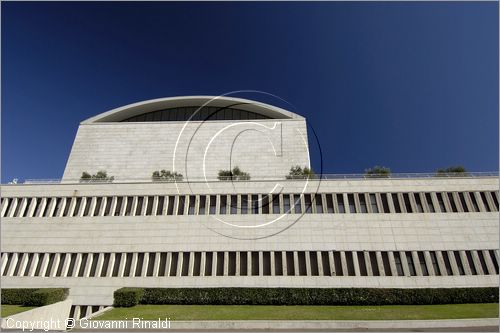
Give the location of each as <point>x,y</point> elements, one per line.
<point>126,297</point>
<point>304,296</point>
<point>33,297</point>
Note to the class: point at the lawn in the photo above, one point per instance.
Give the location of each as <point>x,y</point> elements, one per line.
<point>9,310</point>
<point>271,312</point>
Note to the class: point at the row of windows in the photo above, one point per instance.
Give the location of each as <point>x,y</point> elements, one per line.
<point>280,263</point>
<point>328,203</point>
<point>195,113</point>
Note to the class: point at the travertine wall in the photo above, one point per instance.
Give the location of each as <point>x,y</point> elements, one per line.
<point>312,232</point>
<point>264,148</point>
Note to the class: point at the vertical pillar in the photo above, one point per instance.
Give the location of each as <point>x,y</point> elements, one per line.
<point>380,262</point>
<point>261,263</point>
<point>180,261</point>
<point>121,265</point>
<point>404,263</point>
<point>237,272</point>
<point>320,263</point>
<point>24,263</point>
<point>428,263</point>
<point>156,267</point>
<point>249,263</point>
<point>343,260</point>
<point>145,264</point>
<point>191,264</point>
<point>203,263</point>
<point>465,263</point>
<point>369,270</point>
<point>111,265</point>
<point>34,264</point>
<point>55,264</point>
<point>355,262</point>
<point>88,267</point>
<point>296,263</point>
<point>133,267</point>
<point>392,262</point>
<point>489,262</point>
<point>416,263</point>
<point>65,268</point>
<point>284,265</point>
<point>477,263</point>
<point>331,259</point>
<point>214,263</point>
<point>45,262</point>
<point>441,264</point>
<point>453,263</point>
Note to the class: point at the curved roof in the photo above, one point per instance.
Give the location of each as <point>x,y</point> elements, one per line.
<point>135,109</point>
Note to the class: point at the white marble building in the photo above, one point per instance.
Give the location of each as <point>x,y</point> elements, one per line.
<point>416,231</point>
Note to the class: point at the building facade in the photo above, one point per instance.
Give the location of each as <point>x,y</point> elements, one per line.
<point>406,231</point>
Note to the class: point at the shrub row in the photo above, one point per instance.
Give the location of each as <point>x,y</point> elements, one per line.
<point>34,297</point>
<point>125,297</point>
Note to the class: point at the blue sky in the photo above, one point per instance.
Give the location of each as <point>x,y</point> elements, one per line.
<point>410,86</point>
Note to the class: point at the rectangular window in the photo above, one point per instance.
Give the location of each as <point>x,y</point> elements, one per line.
<point>66,206</point>
<point>399,265</point>
<point>411,264</point>
<point>423,266</point>
<point>57,210</point>
<point>485,202</point>
<point>452,203</point>
<point>234,204</point>
<point>138,210</point>
<point>447,263</point>
<point>308,203</point>
<point>149,207</point>
<point>88,203</point>
<point>276,204</point>
<point>223,204</point>
<point>107,208</point>
<point>171,205</point>
<point>362,203</point>
<point>286,203</point>
<point>373,203</point>
<point>97,208</point>
<point>319,204</point>
<point>362,263</point>
<point>265,204</point>
<point>442,207</point>
<point>430,204</point>
<point>77,206</point>
<point>161,202</point>
<point>352,206</point>
<point>118,207</point>
<point>180,208</point>
<point>297,198</point>
<point>374,264</point>
<point>418,202</point>
<point>482,262</point>
<point>459,262</point>
<point>244,204</point>
<point>386,264</point>
<point>495,199</point>
<point>494,260</point>
<point>471,262</point>
<point>385,202</point>
<point>463,202</point>
<point>255,204</point>
<point>340,203</point>
<point>213,204</point>
<point>329,203</point>
<point>406,199</point>
<point>192,202</point>
<point>473,200</point>
<point>203,203</point>
<point>435,264</point>
<point>45,212</point>
<point>395,201</point>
